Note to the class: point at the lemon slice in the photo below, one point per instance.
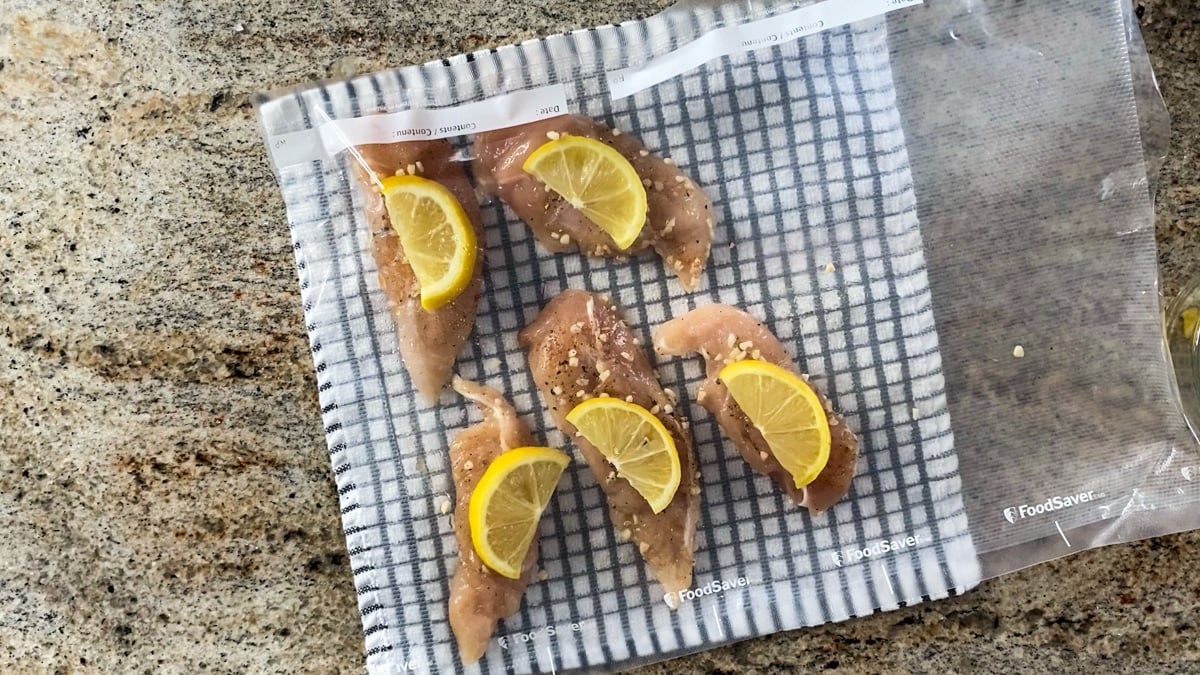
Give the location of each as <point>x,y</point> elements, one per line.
<point>436,236</point>
<point>786,411</point>
<point>636,443</point>
<point>508,502</point>
<point>595,179</point>
<point>1191,318</point>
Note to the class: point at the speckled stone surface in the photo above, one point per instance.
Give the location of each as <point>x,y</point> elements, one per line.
<point>166,503</point>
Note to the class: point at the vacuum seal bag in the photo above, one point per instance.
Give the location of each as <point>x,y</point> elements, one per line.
<point>929,225</point>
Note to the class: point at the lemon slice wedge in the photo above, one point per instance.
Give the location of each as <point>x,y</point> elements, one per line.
<point>595,179</point>
<point>636,443</point>
<point>436,236</point>
<point>507,505</point>
<point>786,411</point>
<point>1191,319</point>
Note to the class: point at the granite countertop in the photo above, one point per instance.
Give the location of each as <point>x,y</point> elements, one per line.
<point>166,496</point>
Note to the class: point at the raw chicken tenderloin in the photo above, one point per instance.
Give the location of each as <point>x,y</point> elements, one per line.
<point>720,334</point>
<point>580,348</point>
<point>429,340</point>
<point>679,219</point>
<point>479,597</point>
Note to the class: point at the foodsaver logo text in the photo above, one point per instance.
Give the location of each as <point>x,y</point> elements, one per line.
<point>879,548</point>
<point>553,630</point>
<point>1014,513</point>
<point>711,588</point>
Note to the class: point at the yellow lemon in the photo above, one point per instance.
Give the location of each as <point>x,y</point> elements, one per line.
<point>786,411</point>
<point>507,505</point>
<point>595,179</point>
<point>436,236</point>
<point>636,443</point>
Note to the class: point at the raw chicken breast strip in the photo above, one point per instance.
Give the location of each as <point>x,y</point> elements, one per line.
<point>479,597</point>
<point>679,219</point>
<point>720,334</point>
<point>580,348</point>
<point>430,340</point>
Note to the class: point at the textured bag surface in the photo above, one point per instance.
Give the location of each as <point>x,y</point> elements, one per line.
<point>1030,130</point>
<point>943,212</point>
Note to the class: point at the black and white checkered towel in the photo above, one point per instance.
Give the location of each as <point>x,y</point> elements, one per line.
<point>800,147</point>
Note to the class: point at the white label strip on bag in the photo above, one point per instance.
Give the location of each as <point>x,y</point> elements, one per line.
<point>744,37</point>
<point>497,112</point>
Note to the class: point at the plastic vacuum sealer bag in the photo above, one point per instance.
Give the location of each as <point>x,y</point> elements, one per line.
<point>944,211</point>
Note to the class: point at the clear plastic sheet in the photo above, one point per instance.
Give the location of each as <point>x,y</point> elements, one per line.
<point>1031,129</point>
<point>944,210</point>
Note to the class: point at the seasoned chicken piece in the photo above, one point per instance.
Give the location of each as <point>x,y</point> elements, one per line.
<point>479,597</point>
<point>430,340</point>
<point>723,335</point>
<point>679,219</point>
<point>580,348</point>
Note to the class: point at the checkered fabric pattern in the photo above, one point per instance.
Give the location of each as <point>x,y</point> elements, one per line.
<point>800,147</point>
